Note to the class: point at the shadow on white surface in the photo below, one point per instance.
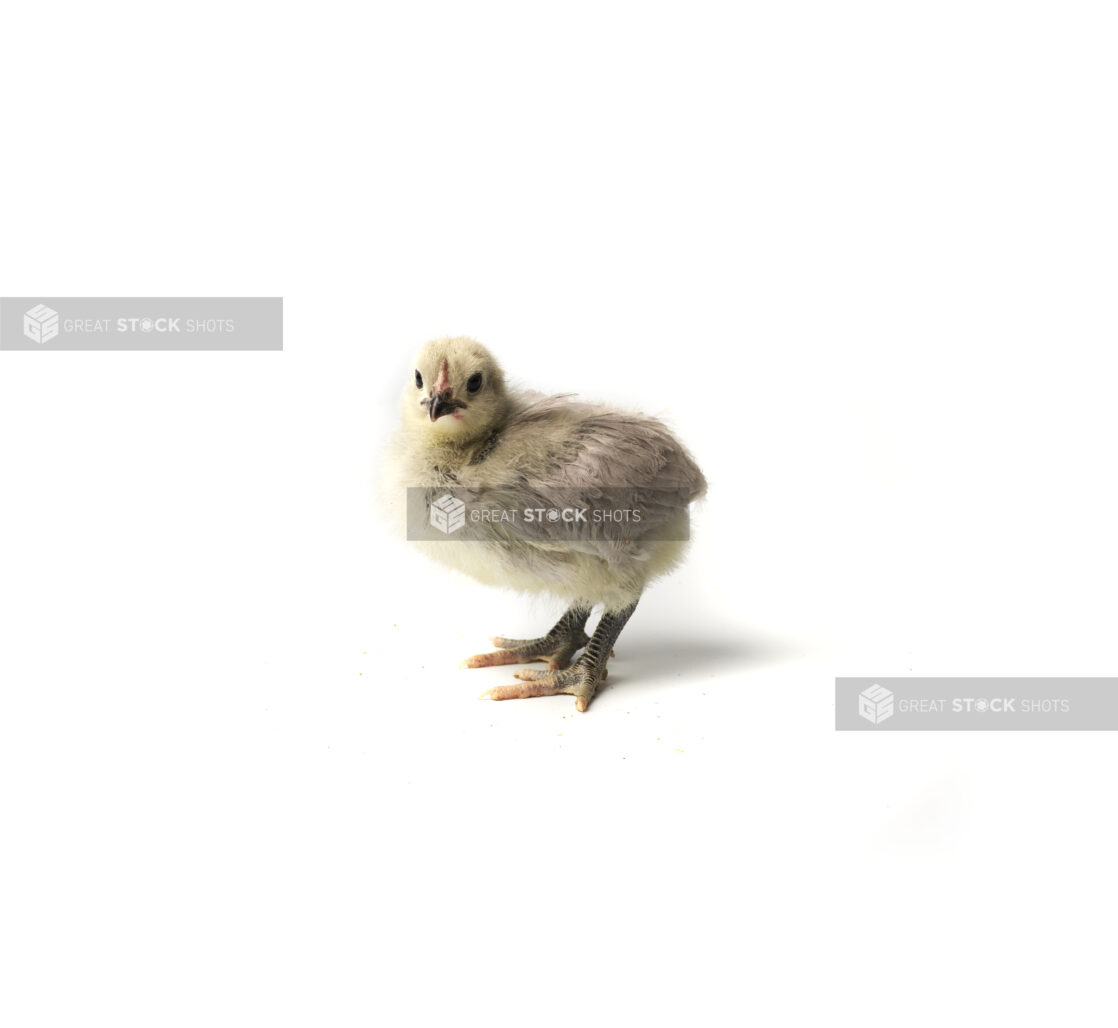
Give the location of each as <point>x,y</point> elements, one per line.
<point>681,658</point>
<point>688,655</point>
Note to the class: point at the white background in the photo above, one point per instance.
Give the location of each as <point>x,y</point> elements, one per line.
<point>861,256</point>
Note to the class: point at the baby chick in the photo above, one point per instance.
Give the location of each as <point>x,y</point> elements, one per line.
<point>464,429</point>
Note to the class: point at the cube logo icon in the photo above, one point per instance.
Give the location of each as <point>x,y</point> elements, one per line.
<point>40,324</point>
<point>875,704</point>
<point>448,514</point>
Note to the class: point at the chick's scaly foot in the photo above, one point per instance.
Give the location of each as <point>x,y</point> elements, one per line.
<point>556,650</point>
<point>580,680</point>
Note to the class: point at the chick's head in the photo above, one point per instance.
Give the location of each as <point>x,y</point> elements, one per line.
<point>458,393</point>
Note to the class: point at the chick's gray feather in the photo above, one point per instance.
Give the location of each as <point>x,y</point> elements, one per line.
<point>555,453</point>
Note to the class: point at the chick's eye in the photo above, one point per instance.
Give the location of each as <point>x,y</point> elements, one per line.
<point>418,380</point>
<point>473,383</point>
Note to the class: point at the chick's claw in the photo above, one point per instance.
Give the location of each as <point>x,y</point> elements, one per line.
<point>556,648</point>
<point>580,681</point>
<point>556,658</point>
<point>518,692</point>
<point>498,658</point>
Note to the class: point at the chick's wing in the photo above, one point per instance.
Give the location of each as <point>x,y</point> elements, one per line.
<point>559,455</point>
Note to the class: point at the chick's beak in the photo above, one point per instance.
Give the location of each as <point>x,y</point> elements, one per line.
<point>439,404</point>
<point>442,395</point>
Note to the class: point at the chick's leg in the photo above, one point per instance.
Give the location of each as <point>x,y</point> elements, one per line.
<point>557,647</point>
<point>581,679</point>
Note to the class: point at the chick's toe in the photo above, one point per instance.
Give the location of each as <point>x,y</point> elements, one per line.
<point>580,680</point>
<point>557,648</point>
